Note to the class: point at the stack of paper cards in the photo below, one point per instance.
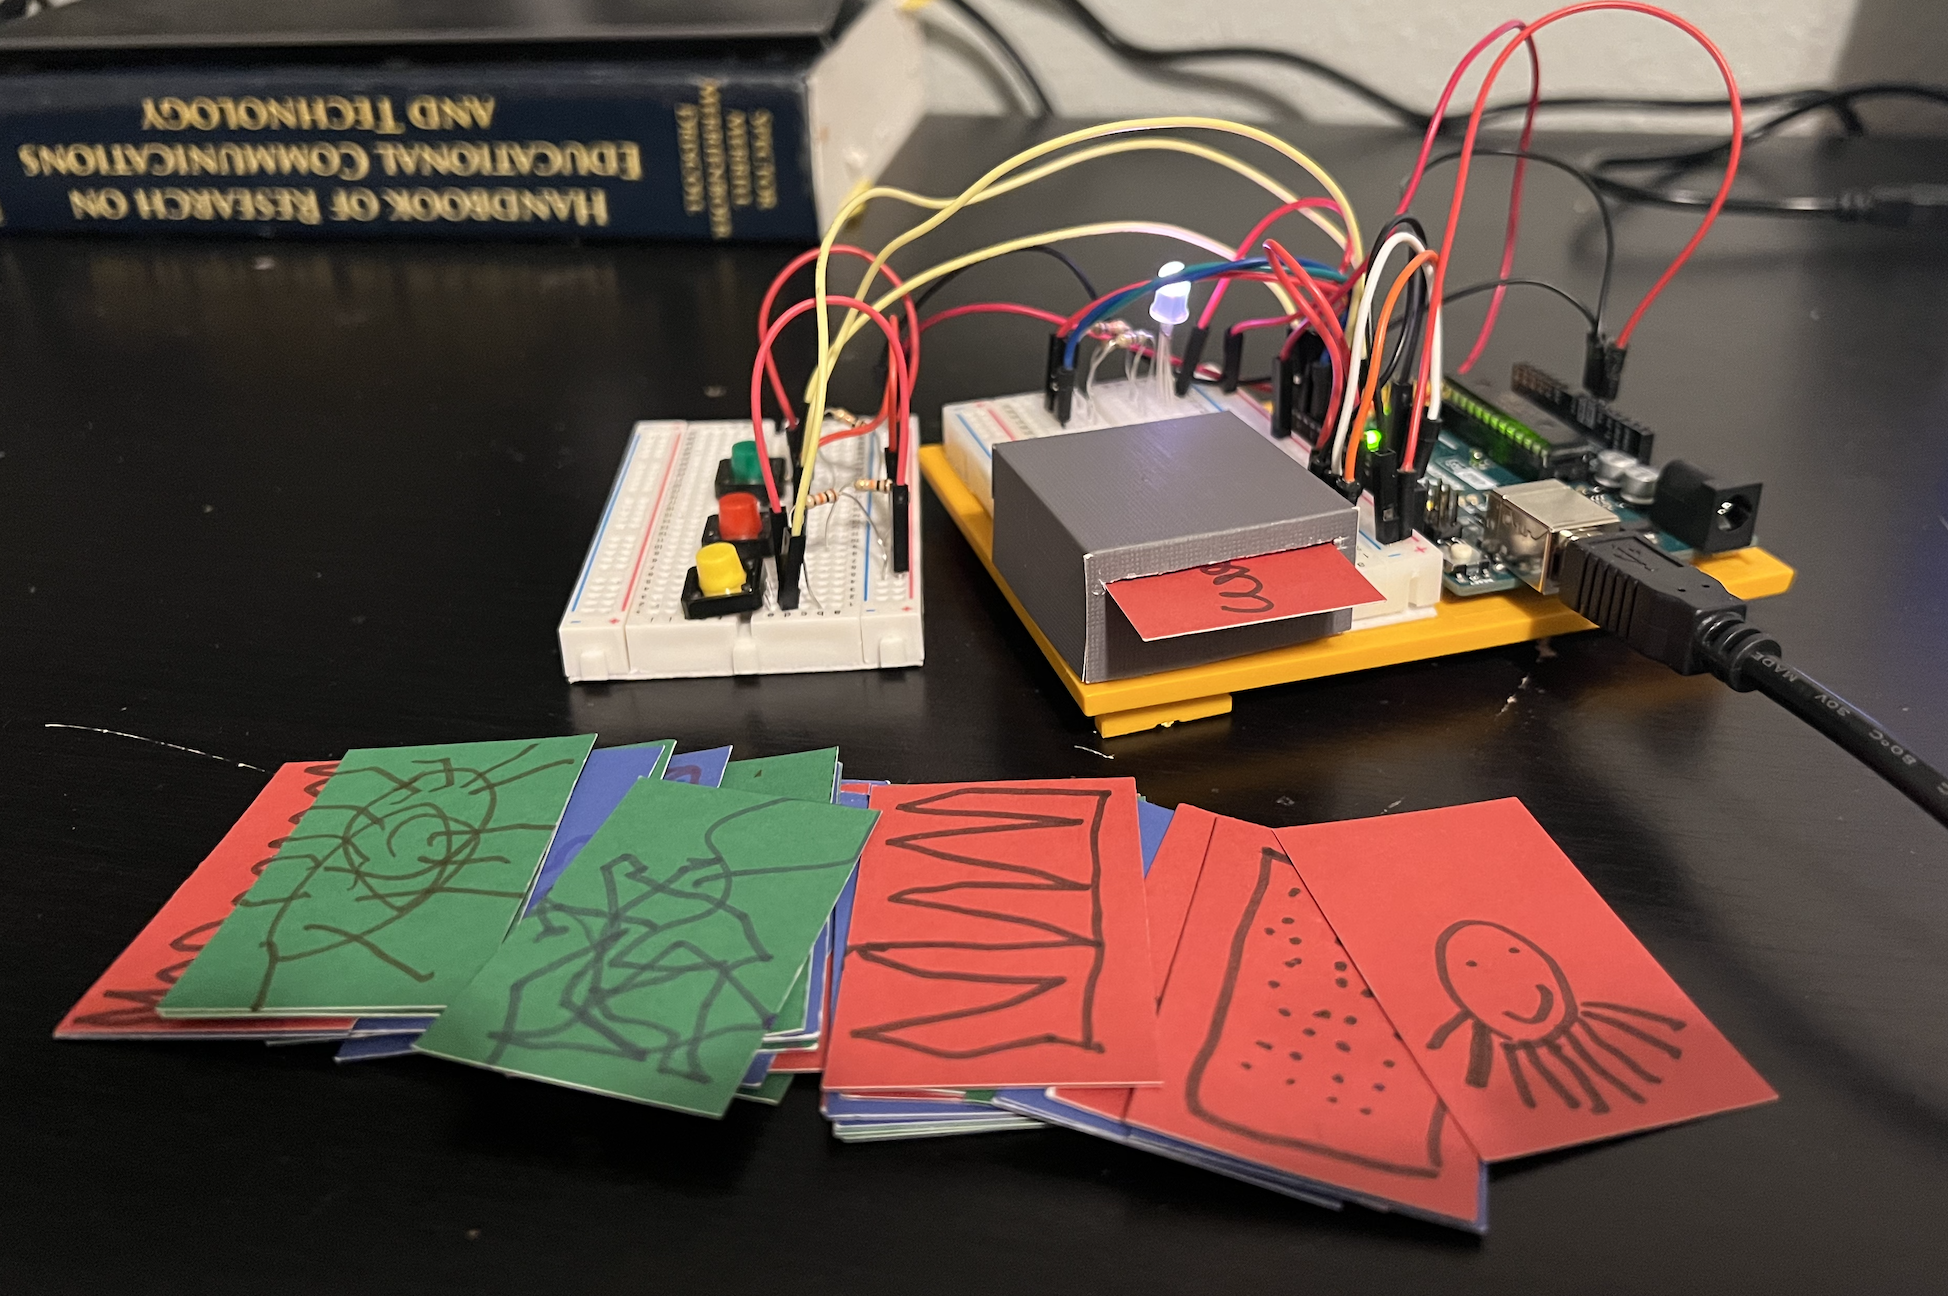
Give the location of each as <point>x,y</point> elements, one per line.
<point>608,773</point>
<point>997,937</point>
<point>655,964</point>
<point>395,887</point>
<point>122,1004</point>
<point>1369,1012</point>
<point>894,1114</point>
<point>1366,1012</point>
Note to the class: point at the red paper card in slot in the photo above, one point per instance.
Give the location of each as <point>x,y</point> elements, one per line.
<point>122,1004</point>
<point>1243,591</point>
<point>1529,1005</point>
<point>1276,1052</point>
<point>998,939</point>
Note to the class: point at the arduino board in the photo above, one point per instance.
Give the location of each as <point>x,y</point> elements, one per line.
<point>1457,594</point>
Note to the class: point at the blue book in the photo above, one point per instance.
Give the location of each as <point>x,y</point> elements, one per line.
<point>449,118</point>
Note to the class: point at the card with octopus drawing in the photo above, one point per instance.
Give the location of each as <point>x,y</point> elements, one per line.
<point>1275,1053</point>
<point>1537,1016</point>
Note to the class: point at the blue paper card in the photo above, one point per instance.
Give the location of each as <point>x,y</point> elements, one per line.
<point>702,768</point>
<point>1152,822</point>
<point>609,774</point>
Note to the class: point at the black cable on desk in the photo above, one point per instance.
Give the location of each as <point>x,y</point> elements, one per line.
<point>1852,728</point>
<point>1148,56</point>
<point>1676,614</point>
<point>1896,205</point>
<point>1045,249</point>
<point>1040,108</point>
<point>1144,56</point>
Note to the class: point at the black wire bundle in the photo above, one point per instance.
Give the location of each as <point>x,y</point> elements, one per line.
<point>1150,57</point>
<point>1892,205</point>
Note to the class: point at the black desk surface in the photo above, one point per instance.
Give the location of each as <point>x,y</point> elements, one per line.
<point>272,501</point>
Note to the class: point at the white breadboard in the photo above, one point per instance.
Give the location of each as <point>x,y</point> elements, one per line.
<point>1408,574</point>
<point>625,619</point>
<point>970,430</point>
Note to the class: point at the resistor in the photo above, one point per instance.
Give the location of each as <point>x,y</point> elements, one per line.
<point>823,497</point>
<point>878,485</point>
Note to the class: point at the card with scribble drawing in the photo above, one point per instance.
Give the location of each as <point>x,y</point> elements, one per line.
<point>1531,1008</point>
<point>1275,1052</point>
<point>998,939</point>
<point>394,888</point>
<point>122,1004</point>
<point>651,968</point>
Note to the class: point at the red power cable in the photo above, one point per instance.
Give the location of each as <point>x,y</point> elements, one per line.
<point>1474,130</point>
<point>1514,214</point>
<point>1439,118</point>
<point>1346,254</point>
<point>777,285</point>
<point>992,308</point>
<point>899,391</point>
<point>1334,337</point>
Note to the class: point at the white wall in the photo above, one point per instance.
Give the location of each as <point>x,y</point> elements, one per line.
<point>1408,47</point>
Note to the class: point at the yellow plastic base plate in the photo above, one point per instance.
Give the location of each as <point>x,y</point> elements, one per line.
<point>1458,625</point>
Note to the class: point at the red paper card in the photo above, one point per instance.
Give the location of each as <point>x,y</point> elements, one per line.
<point>998,939</point>
<point>1171,882</point>
<point>122,1004</point>
<point>1275,1051</point>
<point>1167,889</point>
<point>1530,1006</point>
<point>1268,587</point>
<point>796,1061</point>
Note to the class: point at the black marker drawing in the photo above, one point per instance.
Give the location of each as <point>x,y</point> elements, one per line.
<point>142,1001</point>
<point>1236,573</point>
<point>657,969</point>
<point>422,835</point>
<point>1272,1094</point>
<point>1055,896</point>
<point>1514,997</point>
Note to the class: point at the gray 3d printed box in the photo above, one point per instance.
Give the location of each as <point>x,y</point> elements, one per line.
<point>1073,513</point>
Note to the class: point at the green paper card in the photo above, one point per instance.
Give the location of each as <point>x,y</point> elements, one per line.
<point>395,887</point>
<point>791,1009</point>
<point>803,776</point>
<point>770,1091</point>
<point>649,970</point>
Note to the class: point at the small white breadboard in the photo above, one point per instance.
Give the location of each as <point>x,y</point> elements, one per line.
<point>1407,574</point>
<point>625,619</point>
<point>970,430</point>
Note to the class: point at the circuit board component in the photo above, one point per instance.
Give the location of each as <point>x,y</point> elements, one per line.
<point>1529,525</point>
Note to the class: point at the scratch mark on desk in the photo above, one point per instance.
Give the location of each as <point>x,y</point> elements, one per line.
<point>194,751</point>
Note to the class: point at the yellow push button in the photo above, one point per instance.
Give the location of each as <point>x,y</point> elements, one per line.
<point>719,570</point>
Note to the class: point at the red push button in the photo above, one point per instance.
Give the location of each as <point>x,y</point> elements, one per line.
<point>737,517</point>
